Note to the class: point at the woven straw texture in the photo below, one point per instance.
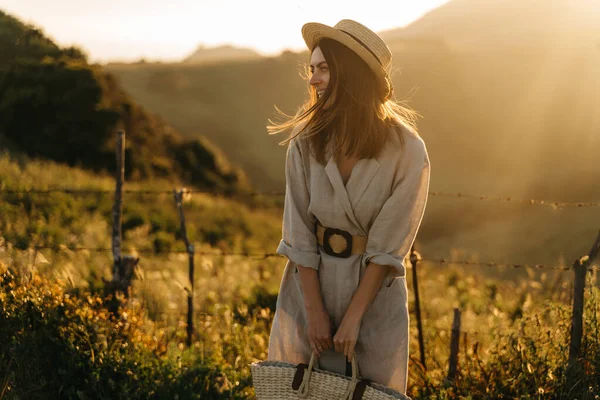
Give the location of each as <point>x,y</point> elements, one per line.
<point>272,380</point>
<point>380,64</point>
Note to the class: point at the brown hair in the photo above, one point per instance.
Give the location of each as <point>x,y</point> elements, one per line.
<point>361,119</point>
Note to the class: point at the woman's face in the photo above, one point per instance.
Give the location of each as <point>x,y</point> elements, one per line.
<point>319,70</point>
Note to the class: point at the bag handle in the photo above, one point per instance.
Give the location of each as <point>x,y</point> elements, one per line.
<point>303,388</point>
<point>301,382</point>
<point>357,386</point>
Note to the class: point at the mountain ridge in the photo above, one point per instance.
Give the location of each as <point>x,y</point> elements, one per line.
<point>78,107</point>
<point>469,24</point>
<point>204,54</point>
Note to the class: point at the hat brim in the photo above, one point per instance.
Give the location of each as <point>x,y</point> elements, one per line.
<point>313,32</point>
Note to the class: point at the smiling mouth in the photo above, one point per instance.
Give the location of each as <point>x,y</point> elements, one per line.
<point>320,93</point>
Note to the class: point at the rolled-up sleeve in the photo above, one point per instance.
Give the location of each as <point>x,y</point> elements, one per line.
<point>299,242</point>
<point>394,229</point>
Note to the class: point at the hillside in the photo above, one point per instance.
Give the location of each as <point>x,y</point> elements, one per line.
<point>506,122</point>
<point>474,24</point>
<point>484,103</point>
<point>229,102</point>
<point>55,105</point>
<point>205,55</point>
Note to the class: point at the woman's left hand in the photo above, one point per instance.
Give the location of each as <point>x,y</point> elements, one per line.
<point>346,336</point>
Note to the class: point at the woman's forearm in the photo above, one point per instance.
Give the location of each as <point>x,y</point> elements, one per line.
<point>367,288</point>
<point>311,289</point>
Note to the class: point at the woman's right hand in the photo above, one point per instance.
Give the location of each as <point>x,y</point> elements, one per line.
<point>319,331</point>
<point>319,325</point>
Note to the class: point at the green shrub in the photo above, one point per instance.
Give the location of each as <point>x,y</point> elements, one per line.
<point>132,221</point>
<point>163,242</point>
<point>58,345</point>
<point>529,364</point>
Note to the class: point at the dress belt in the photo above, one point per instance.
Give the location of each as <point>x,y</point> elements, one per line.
<point>340,243</point>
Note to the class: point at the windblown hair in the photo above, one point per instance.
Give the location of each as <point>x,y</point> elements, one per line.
<point>361,117</point>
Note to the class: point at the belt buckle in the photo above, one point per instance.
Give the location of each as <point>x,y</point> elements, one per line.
<point>329,232</point>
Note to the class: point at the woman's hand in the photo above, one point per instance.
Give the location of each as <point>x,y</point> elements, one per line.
<point>319,324</point>
<point>346,336</point>
<point>319,331</point>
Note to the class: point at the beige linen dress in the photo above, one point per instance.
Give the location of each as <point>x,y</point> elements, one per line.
<point>383,199</point>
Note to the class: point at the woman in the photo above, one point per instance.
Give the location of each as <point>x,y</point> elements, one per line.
<point>357,179</point>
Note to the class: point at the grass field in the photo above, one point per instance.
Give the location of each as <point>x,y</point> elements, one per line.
<point>515,321</point>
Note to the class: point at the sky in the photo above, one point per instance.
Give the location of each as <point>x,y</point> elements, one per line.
<point>128,30</point>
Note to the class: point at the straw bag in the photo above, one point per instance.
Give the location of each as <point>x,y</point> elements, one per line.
<point>275,380</point>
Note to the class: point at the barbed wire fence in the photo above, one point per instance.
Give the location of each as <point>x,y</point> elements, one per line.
<point>262,256</point>
<point>458,195</point>
<point>580,267</point>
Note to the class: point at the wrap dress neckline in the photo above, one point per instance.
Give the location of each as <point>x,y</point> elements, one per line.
<point>349,195</point>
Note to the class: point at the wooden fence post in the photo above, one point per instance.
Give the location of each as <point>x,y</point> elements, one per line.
<point>414,259</point>
<point>454,346</point>
<point>580,268</point>
<point>190,250</point>
<point>123,266</point>
<point>118,206</point>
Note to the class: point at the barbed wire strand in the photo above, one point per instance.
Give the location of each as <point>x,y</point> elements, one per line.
<point>546,203</point>
<point>495,264</point>
<point>232,314</point>
<point>553,204</point>
<point>155,252</point>
<point>472,332</point>
<point>262,256</point>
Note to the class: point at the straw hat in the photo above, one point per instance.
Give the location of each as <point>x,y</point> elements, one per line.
<point>364,42</point>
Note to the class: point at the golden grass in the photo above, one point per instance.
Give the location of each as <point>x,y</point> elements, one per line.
<point>500,306</point>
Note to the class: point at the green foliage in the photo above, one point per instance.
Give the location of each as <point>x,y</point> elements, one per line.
<point>31,219</point>
<point>54,105</point>
<point>57,345</point>
<point>134,220</point>
<point>259,299</point>
<point>152,223</point>
<point>57,341</point>
<point>531,364</point>
<point>19,41</point>
<point>235,300</point>
<point>203,164</point>
<point>163,242</point>
<point>51,109</point>
<point>98,357</point>
<point>233,108</point>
